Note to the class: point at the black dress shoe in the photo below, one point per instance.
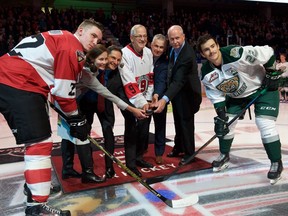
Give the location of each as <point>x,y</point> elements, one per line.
<point>143,164</point>
<point>173,153</point>
<point>88,176</point>
<point>110,172</point>
<point>70,173</point>
<point>136,171</point>
<point>185,159</point>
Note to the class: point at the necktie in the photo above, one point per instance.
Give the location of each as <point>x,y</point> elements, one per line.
<point>101,99</point>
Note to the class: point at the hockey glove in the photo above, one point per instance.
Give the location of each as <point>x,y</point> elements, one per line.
<point>271,80</point>
<point>221,126</point>
<point>78,127</point>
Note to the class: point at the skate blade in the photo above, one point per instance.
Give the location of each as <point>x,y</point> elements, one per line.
<point>274,181</point>
<point>55,195</point>
<point>223,167</point>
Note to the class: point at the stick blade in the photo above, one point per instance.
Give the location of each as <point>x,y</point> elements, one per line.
<point>156,179</point>
<point>185,202</point>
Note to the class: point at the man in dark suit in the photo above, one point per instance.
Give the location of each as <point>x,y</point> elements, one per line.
<point>160,61</point>
<point>114,84</point>
<point>184,91</point>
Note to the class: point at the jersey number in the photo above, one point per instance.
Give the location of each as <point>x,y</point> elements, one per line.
<point>131,89</point>
<point>72,92</point>
<point>143,85</point>
<point>251,56</point>
<point>39,41</point>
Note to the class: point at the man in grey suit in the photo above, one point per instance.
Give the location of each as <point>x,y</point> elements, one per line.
<point>184,91</point>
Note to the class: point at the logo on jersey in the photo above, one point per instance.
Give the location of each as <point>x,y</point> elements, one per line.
<point>240,90</point>
<point>80,56</point>
<point>231,71</point>
<point>213,77</point>
<point>230,85</point>
<point>234,52</point>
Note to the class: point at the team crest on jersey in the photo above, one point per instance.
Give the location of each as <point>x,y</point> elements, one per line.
<point>80,56</point>
<point>230,85</point>
<point>234,52</point>
<point>213,77</point>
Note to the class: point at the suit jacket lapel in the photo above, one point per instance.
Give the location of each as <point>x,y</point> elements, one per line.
<point>173,65</point>
<point>170,66</point>
<point>111,79</point>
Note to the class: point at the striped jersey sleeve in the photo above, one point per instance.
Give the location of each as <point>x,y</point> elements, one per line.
<point>49,62</point>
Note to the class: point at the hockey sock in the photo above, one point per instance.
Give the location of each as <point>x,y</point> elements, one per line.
<point>38,170</point>
<point>273,150</point>
<point>225,145</point>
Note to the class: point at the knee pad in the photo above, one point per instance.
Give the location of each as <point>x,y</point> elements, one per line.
<point>267,128</point>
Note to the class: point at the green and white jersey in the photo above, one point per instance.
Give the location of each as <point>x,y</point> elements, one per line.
<point>240,75</point>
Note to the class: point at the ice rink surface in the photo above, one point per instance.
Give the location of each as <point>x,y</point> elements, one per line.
<point>241,190</point>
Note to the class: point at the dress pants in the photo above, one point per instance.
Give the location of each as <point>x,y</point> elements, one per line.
<point>136,137</point>
<point>160,132</point>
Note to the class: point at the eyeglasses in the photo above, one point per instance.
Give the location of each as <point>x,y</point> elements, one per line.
<point>140,36</point>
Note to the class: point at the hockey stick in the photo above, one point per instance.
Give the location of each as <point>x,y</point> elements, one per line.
<point>163,178</point>
<point>188,201</point>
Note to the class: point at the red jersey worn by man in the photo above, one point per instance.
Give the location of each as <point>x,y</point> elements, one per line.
<point>43,63</point>
<point>47,63</point>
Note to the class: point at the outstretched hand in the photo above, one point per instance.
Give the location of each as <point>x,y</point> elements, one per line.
<point>138,113</point>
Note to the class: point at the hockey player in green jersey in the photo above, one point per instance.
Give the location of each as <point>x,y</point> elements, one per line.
<point>233,76</point>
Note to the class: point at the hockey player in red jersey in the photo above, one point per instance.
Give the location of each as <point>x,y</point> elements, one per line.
<point>47,63</point>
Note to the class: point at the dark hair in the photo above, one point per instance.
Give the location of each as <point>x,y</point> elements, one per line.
<point>114,48</point>
<point>203,39</point>
<point>283,53</point>
<point>93,54</point>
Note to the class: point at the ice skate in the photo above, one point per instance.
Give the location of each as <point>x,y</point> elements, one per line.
<point>221,163</point>
<point>36,209</point>
<point>275,171</point>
